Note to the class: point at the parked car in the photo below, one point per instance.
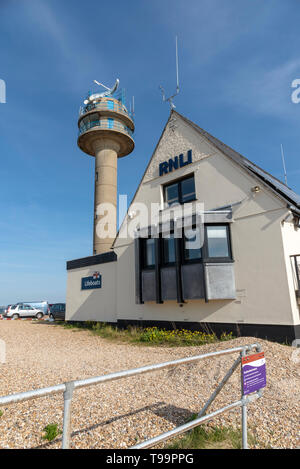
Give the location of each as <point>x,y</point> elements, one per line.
<point>7,310</point>
<point>58,311</point>
<point>40,305</point>
<point>23,310</point>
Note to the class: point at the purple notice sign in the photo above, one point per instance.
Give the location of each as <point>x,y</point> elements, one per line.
<point>253,372</point>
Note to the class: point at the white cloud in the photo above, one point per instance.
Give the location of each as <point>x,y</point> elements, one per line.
<point>262,90</point>
<point>80,55</point>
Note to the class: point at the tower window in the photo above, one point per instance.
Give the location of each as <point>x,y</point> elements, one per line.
<point>110,123</point>
<point>110,104</point>
<point>180,192</point>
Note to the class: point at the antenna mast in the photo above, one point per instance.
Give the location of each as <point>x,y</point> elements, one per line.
<point>283,162</point>
<point>170,99</point>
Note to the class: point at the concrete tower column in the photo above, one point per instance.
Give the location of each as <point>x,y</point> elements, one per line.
<point>105,219</point>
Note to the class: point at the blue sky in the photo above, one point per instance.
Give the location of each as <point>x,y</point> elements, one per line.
<point>237,61</point>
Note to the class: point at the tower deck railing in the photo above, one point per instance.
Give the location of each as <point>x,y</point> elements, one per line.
<point>104,124</point>
<point>105,105</point>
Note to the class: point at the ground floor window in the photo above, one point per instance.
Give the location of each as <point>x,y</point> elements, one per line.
<point>173,267</point>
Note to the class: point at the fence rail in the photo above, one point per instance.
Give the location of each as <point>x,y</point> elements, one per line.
<point>68,389</point>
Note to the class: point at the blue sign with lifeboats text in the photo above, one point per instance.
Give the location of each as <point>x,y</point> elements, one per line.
<point>94,281</point>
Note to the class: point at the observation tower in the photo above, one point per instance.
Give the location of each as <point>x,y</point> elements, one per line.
<point>106,132</point>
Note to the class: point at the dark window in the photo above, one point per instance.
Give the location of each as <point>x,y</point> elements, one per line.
<point>217,241</point>
<point>172,194</point>
<point>180,192</point>
<point>214,247</point>
<point>149,253</point>
<point>192,244</point>
<point>168,247</point>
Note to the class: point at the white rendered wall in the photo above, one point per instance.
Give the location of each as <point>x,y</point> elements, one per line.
<point>92,305</point>
<point>291,245</point>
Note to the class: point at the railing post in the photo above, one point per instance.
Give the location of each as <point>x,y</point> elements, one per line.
<point>220,386</point>
<point>244,408</point>
<point>68,393</point>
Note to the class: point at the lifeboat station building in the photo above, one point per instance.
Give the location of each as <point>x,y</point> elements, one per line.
<point>243,276</point>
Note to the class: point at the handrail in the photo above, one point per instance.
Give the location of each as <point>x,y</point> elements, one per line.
<point>68,387</point>
<point>107,105</point>
<point>104,125</point>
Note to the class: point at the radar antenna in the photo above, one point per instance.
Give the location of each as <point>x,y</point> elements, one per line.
<point>170,99</point>
<point>283,163</point>
<point>97,96</point>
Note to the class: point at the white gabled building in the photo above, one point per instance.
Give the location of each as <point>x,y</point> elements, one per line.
<point>245,277</point>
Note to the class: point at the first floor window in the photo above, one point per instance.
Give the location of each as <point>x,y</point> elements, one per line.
<point>149,253</point>
<point>217,241</point>
<point>180,192</point>
<point>169,256</point>
<point>215,247</point>
<point>192,244</point>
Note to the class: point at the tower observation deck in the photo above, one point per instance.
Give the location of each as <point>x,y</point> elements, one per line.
<point>105,132</point>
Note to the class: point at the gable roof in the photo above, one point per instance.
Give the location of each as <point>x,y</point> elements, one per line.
<point>283,191</point>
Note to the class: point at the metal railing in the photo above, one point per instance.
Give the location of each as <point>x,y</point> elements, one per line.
<point>105,105</point>
<point>68,389</point>
<point>295,259</point>
<point>104,124</point>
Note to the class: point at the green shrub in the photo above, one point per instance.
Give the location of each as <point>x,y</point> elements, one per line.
<point>150,335</point>
<point>51,431</point>
<point>203,437</point>
<point>179,336</point>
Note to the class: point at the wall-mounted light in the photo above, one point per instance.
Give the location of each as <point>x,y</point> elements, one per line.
<point>255,189</point>
<point>131,215</point>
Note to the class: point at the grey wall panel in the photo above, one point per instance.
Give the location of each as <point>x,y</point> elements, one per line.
<point>220,281</point>
<point>192,281</point>
<point>168,283</point>
<point>138,277</point>
<point>110,256</point>
<point>148,285</point>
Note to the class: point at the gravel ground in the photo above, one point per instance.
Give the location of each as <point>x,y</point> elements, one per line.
<point>120,413</point>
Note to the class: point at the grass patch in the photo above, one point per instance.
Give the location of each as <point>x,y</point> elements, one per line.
<point>51,431</point>
<point>149,335</point>
<point>1,413</point>
<point>203,437</point>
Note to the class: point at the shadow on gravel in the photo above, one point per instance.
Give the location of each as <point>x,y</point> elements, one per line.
<point>176,415</point>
